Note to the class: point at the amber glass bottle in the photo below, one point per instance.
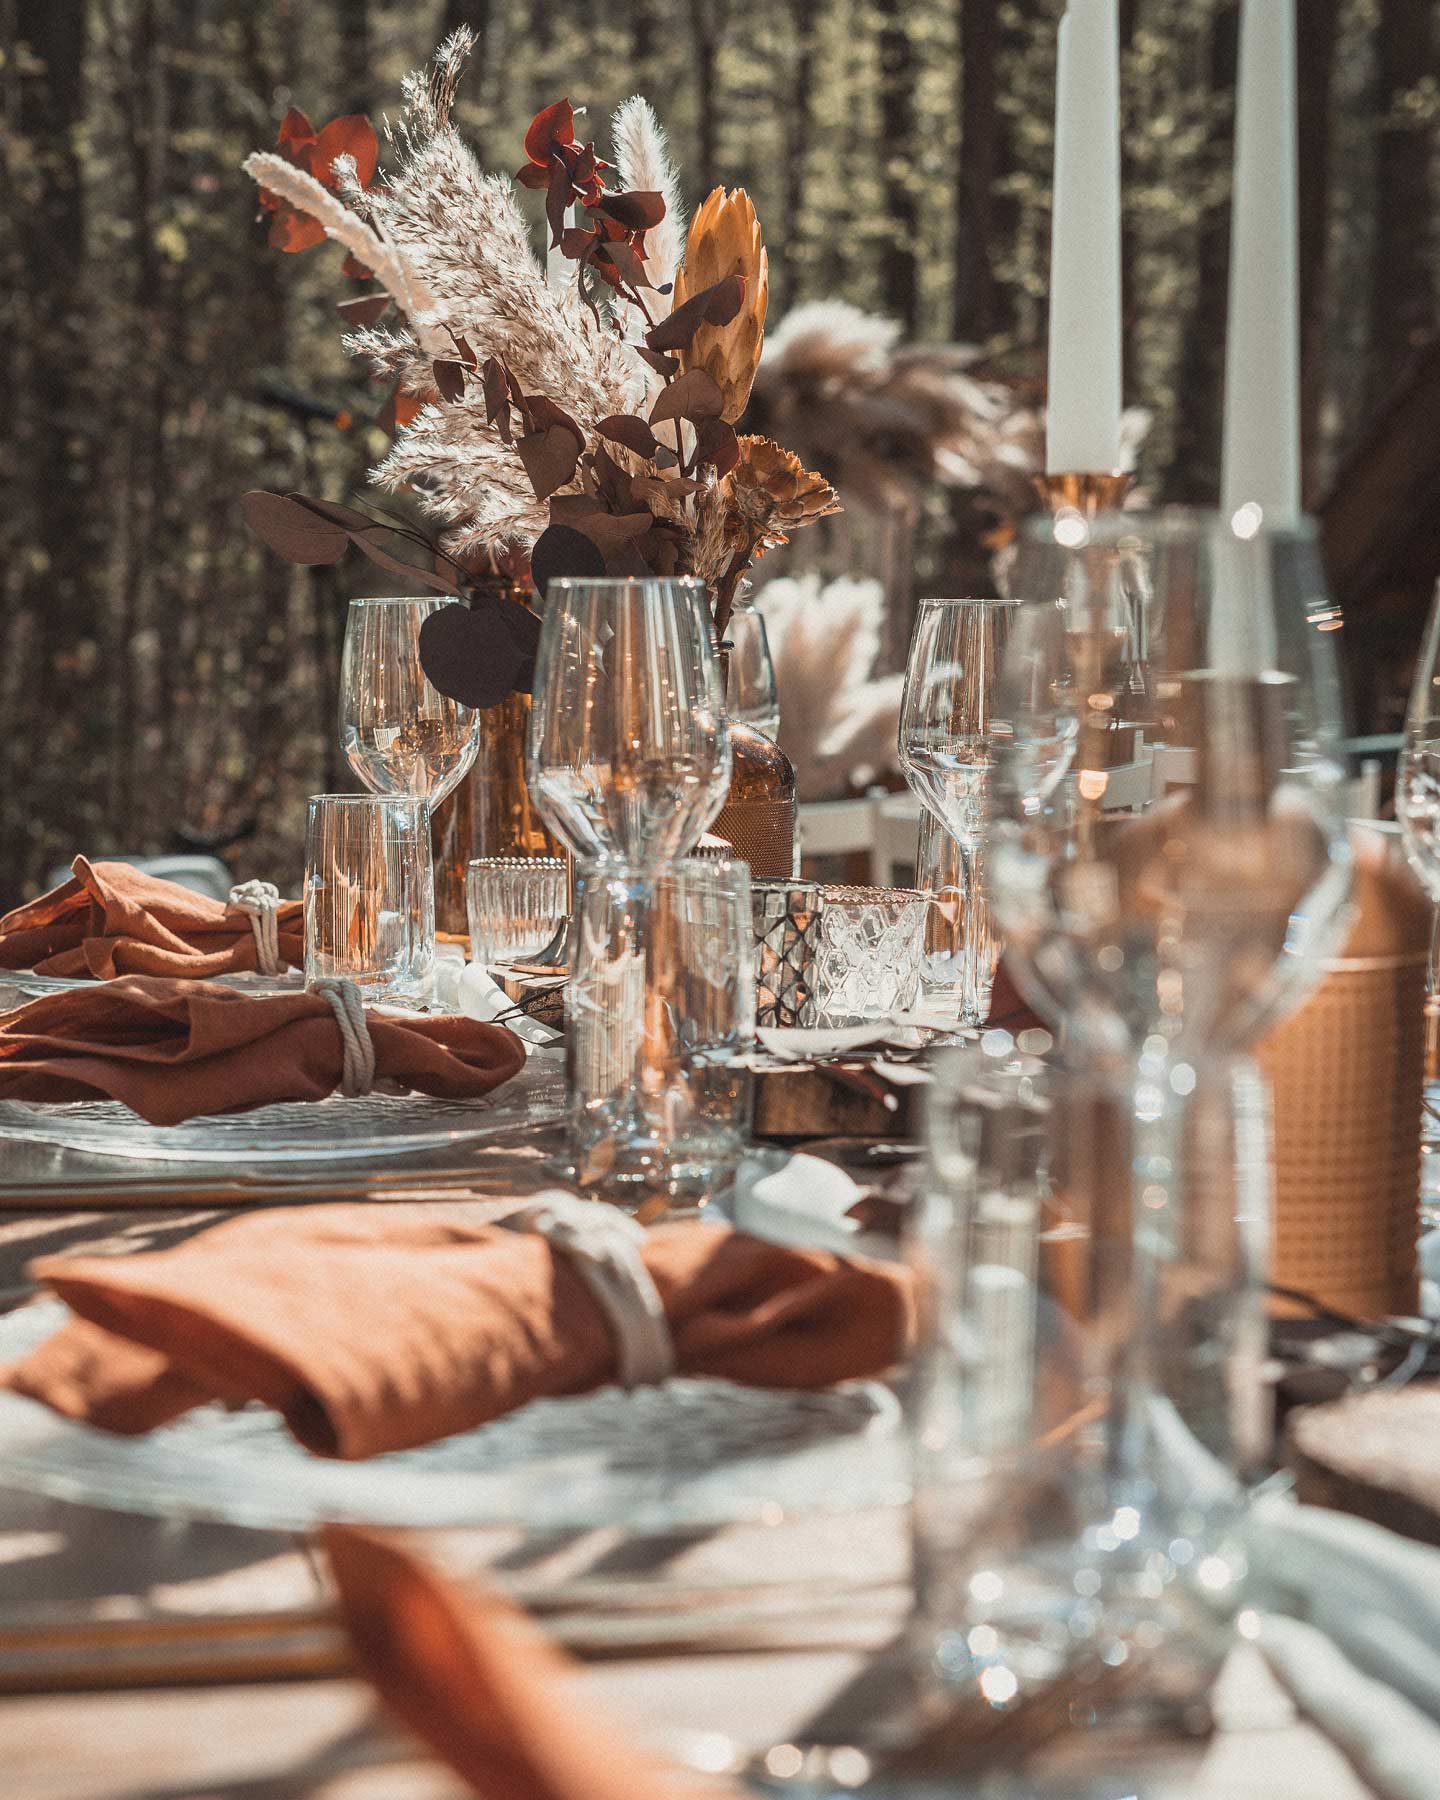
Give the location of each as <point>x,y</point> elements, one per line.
<point>490,813</point>
<point>760,818</point>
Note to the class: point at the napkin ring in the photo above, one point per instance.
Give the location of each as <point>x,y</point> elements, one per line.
<point>261,900</point>
<point>357,1072</point>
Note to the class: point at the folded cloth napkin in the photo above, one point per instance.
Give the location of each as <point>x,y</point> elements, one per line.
<point>173,1049</point>
<point>469,1674</point>
<point>110,919</point>
<point>378,1328</point>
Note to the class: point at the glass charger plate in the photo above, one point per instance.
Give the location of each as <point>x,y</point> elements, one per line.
<point>333,1130</point>
<point>27,985</point>
<point>688,1455</point>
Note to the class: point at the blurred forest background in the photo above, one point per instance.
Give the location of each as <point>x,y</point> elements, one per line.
<point>160,673</point>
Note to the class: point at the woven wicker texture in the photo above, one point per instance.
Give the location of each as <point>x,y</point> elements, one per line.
<point>1347,1073</point>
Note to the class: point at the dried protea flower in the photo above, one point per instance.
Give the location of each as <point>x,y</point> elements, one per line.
<point>771,492</point>
<point>725,240</point>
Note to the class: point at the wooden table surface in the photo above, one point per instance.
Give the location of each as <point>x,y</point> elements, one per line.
<point>321,1739</point>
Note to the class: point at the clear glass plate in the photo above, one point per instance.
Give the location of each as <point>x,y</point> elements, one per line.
<point>691,1454</point>
<point>20,985</point>
<point>331,1130</point>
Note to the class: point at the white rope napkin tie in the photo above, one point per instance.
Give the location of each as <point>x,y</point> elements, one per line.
<point>603,1246</point>
<point>261,899</point>
<point>357,1075</point>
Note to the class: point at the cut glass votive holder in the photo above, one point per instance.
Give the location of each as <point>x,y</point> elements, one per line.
<point>871,953</point>
<point>786,917</point>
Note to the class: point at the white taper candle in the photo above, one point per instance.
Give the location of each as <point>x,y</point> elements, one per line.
<point>1261,460</point>
<point>1083,429</point>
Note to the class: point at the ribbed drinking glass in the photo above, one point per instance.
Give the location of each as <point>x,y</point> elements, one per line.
<point>370,895</point>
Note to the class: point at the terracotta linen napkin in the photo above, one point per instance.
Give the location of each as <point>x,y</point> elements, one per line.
<point>469,1674</point>
<point>110,919</point>
<point>173,1049</point>
<point>380,1327</point>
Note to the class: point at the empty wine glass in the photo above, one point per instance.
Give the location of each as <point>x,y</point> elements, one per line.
<point>1160,940</point>
<point>750,692</point>
<point>949,739</point>
<point>400,734</point>
<point>629,751</point>
<point>1417,785</point>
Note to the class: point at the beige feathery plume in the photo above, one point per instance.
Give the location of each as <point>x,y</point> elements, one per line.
<point>725,240</point>
<point>391,270</point>
<point>642,161</point>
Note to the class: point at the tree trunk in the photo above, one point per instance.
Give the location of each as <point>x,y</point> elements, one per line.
<point>976,308</point>
<point>900,272</point>
<point>1403,293</point>
<point>707,27</point>
<point>1194,472</point>
<point>352,20</point>
<point>804,18</point>
<point>1315,54</point>
<point>52,598</point>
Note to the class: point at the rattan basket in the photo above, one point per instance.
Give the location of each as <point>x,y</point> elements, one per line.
<point>1347,1073</point>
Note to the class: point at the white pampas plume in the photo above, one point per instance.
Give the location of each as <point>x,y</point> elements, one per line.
<point>642,161</point>
<point>277,176</point>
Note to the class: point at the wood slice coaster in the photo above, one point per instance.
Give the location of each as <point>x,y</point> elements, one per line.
<point>1375,1455</point>
<point>539,993</point>
<point>847,1097</point>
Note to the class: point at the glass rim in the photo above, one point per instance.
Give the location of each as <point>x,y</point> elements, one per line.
<point>547,864</point>
<point>365,799</point>
<point>407,600</point>
<point>982,600</point>
<point>615,583</point>
<point>1170,524</point>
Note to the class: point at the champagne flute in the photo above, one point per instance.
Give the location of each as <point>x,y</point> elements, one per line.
<point>400,734</point>
<point>629,752</point>
<point>949,739</point>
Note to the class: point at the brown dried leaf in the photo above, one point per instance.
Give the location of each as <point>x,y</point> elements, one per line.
<point>714,305</point>
<point>636,210</point>
<point>364,309</point>
<point>293,530</point>
<point>549,456</point>
<point>693,395</point>
<point>450,379</point>
<point>633,433</point>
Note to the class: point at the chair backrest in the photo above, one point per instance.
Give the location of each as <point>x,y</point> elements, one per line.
<point>201,874</point>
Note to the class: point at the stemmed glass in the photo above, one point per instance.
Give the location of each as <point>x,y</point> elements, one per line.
<point>629,762</point>
<point>1417,806</point>
<point>949,740</point>
<point>1160,941</point>
<point>629,751</point>
<point>400,734</point>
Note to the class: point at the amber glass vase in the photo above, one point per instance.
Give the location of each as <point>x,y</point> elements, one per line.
<point>489,814</point>
<point>760,818</point>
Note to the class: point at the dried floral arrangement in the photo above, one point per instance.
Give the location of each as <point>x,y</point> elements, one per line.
<point>584,427</point>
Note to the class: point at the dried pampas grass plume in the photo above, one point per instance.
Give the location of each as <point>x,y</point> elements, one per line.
<point>642,161</point>
<point>725,240</point>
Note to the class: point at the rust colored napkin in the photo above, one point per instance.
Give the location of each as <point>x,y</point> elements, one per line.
<point>110,919</point>
<point>379,1328</point>
<point>469,1674</point>
<point>173,1049</point>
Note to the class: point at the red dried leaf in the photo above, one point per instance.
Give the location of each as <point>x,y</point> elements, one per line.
<point>292,231</point>
<point>354,268</point>
<point>557,198</point>
<point>714,305</point>
<point>399,410</point>
<point>466,353</point>
<point>576,243</point>
<point>636,209</point>
<point>533,175</point>
<point>352,135</point>
<point>549,457</point>
<point>693,395</point>
<point>449,379</point>
<point>295,133</point>
<point>553,124</point>
<point>292,530</point>
<point>364,309</point>
<point>625,262</point>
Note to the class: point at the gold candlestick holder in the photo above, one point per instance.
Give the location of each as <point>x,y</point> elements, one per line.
<point>1085,491</point>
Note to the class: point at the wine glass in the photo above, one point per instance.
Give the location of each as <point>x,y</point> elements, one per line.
<point>751,695</point>
<point>629,752</point>
<point>1417,783</point>
<point>1159,941</point>
<point>949,739</point>
<point>400,734</point>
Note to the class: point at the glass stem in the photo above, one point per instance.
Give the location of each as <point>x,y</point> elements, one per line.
<point>978,945</point>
